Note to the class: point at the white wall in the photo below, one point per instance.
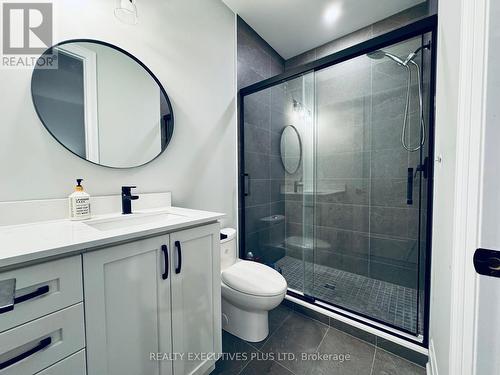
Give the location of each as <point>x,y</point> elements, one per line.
<point>488,306</point>
<point>128,109</point>
<point>444,179</point>
<point>190,46</point>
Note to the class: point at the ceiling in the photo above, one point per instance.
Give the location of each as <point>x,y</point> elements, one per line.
<point>295,26</point>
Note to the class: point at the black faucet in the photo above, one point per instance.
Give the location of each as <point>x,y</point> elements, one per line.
<point>127,197</point>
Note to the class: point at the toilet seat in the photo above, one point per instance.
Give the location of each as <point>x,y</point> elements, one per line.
<point>254,279</point>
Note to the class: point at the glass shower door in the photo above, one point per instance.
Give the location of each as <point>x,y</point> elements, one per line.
<point>368,214</point>
<point>278,163</point>
<point>333,197</point>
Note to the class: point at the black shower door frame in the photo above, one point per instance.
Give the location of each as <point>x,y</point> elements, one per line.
<point>423,26</point>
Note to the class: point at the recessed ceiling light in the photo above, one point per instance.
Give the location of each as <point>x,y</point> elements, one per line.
<point>332,13</point>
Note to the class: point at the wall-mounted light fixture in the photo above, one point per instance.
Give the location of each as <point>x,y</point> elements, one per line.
<point>300,109</point>
<point>126,11</point>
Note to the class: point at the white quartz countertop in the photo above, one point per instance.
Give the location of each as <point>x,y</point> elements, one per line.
<point>32,242</point>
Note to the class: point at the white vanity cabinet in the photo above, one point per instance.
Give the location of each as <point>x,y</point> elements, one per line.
<point>46,324</point>
<point>153,300</point>
<point>196,298</point>
<point>127,308</point>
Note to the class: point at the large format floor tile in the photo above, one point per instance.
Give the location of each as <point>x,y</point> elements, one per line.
<point>388,364</point>
<point>277,318</point>
<point>236,355</point>
<point>317,349</point>
<point>344,355</point>
<point>264,367</point>
<point>298,335</point>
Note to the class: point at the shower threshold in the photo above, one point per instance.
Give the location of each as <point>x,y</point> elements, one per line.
<point>381,301</point>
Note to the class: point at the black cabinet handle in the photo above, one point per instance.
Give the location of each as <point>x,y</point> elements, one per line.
<point>37,293</point>
<point>164,249</point>
<point>42,345</point>
<point>409,187</point>
<point>179,257</point>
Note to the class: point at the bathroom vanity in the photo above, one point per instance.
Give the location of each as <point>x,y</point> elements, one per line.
<point>117,294</point>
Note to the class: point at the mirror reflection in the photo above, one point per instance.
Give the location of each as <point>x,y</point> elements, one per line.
<point>103,104</point>
<point>290,149</point>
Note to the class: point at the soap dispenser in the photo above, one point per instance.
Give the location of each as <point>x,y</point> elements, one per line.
<point>79,203</point>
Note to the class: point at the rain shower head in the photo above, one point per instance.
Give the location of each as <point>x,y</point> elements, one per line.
<point>380,54</point>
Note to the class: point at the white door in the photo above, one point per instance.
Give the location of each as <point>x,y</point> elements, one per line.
<point>127,308</point>
<point>195,272</point>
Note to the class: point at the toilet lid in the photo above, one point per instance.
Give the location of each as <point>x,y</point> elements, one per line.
<point>254,278</point>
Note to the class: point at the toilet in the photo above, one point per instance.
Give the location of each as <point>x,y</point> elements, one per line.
<point>249,291</point>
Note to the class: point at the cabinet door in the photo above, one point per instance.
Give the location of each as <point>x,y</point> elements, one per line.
<point>196,294</point>
<point>127,309</point>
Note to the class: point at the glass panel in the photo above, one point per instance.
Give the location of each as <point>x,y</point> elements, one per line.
<point>335,200</point>
<point>278,160</point>
<point>367,249</point>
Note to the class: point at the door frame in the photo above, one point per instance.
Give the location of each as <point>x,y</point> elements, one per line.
<point>420,27</point>
<point>470,127</point>
<point>91,120</point>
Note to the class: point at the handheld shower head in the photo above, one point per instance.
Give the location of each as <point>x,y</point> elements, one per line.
<point>412,55</point>
<point>380,54</point>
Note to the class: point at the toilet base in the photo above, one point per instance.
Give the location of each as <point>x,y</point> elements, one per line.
<point>252,326</point>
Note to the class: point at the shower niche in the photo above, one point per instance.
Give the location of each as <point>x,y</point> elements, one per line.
<point>336,182</point>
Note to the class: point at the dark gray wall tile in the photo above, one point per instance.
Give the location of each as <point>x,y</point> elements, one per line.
<point>257,139</point>
<point>406,277</point>
<point>389,163</point>
<point>301,59</point>
<point>257,165</point>
<point>257,112</point>
<point>389,221</point>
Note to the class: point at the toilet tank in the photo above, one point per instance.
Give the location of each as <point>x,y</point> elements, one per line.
<point>228,254</point>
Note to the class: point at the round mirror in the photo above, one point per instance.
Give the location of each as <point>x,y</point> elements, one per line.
<point>290,149</point>
<point>102,103</point>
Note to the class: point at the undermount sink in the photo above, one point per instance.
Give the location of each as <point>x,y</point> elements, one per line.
<point>125,221</point>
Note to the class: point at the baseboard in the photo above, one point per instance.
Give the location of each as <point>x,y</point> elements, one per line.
<point>431,367</point>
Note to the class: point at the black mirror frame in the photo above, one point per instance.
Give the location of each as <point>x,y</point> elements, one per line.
<point>162,89</point>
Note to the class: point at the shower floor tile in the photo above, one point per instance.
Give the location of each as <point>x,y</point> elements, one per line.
<point>384,301</point>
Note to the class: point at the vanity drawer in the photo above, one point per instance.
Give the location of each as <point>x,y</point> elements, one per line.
<point>73,365</point>
<point>36,345</point>
<point>52,286</point>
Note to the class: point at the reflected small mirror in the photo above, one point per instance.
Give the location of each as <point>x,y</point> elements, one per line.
<point>102,104</point>
<point>290,149</point>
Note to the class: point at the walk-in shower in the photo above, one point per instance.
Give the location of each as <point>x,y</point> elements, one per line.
<point>336,179</point>
<point>408,64</point>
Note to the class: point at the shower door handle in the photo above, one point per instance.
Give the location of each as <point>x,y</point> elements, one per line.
<point>409,187</point>
<point>246,184</point>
